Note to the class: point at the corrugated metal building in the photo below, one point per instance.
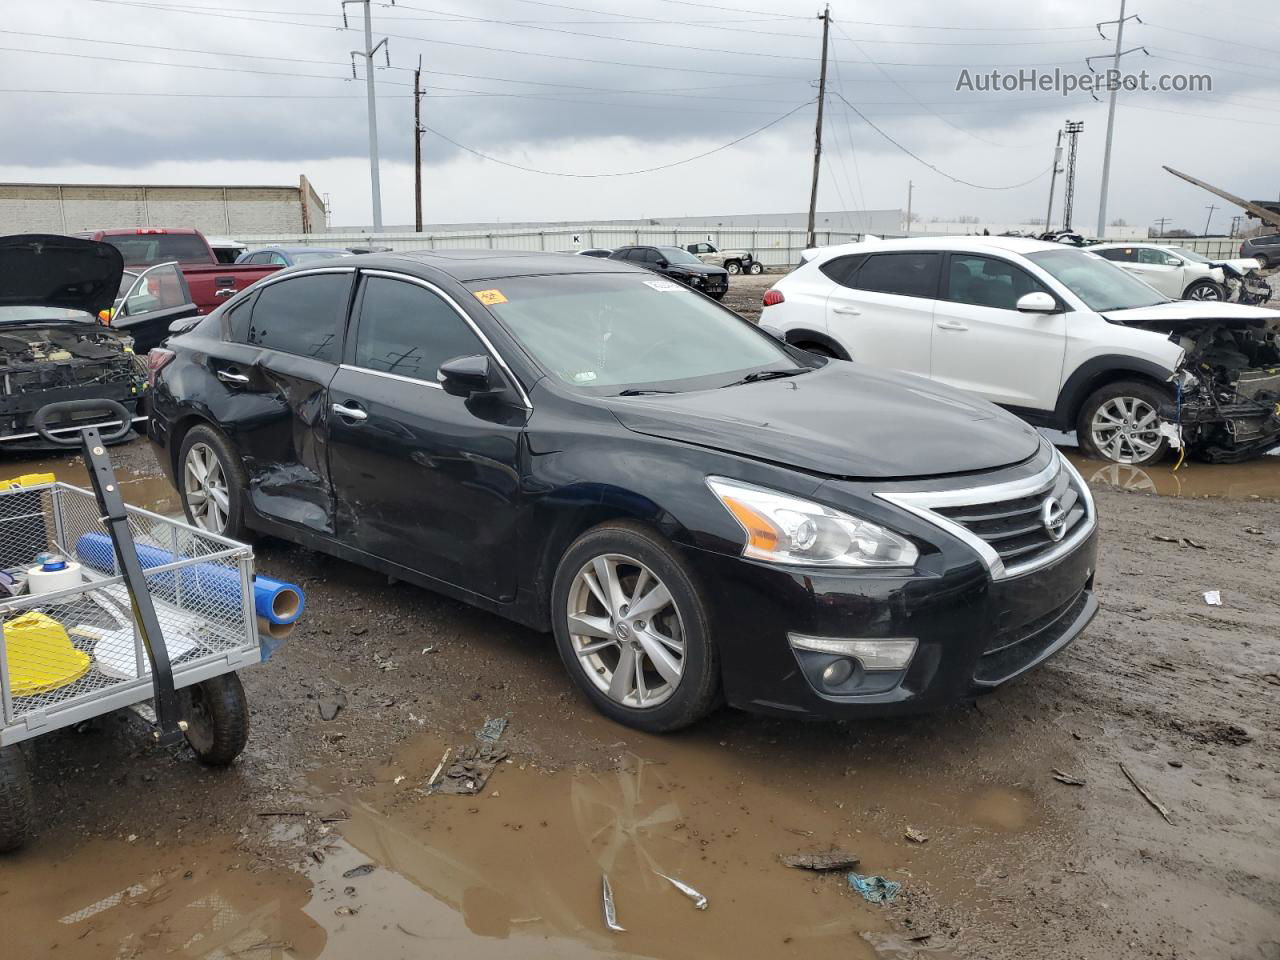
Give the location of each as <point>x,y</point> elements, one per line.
<point>214,210</point>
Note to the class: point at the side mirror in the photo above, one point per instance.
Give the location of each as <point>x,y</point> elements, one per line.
<point>1037,302</point>
<point>1172,262</point>
<point>466,376</point>
<point>664,262</point>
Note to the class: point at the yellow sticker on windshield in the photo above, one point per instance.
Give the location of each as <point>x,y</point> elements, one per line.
<point>490,298</point>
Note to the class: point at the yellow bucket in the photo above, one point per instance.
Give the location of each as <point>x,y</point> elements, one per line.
<point>40,655</point>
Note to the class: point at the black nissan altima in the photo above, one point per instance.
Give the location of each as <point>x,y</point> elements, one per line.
<point>693,508</point>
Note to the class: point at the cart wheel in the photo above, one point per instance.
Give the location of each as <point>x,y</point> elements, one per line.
<point>217,719</point>
<point>15,799</point>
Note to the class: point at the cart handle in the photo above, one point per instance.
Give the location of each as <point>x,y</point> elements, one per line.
<point>111,407</point>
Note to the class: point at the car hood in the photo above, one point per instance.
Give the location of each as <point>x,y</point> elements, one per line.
<point>841,420</point>
<point>44,270</point>
<point>1245,265</point>
<point>1181,314</point>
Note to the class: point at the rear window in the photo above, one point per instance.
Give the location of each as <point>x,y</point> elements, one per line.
<point>150,248</point>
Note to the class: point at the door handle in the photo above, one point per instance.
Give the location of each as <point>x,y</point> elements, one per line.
<point>351,413</point>
<point>227,376</point>
<point>847,311</point>
<point>951,325</point>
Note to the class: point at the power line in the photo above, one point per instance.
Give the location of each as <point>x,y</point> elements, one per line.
<point>935,169</point>
<point>621,173</point>
<point>892,80</point>
<point>1205,36</point>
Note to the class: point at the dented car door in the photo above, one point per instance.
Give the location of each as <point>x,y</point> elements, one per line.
<point>284,346</point>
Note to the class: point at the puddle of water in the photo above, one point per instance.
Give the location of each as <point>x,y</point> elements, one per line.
<point>145,488</point>
<point>115,899</point>
<point>1234,481</point>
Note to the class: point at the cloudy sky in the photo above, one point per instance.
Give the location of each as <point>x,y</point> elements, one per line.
<point>259,91</point>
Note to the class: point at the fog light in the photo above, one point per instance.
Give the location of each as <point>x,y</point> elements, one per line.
<point>888,654</point>
<point>837,672</point>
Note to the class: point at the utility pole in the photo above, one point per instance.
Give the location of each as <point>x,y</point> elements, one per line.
<point>1211,207</point>
<point>417,147</point>
<point>1114,85</point>
<point>1053,179</point>
<point>370,48</point>
<point>1235,224</point>
<point>825,17</point>
<point>910,190</point>
<point>1073,129</point>
<point>1162,221</point>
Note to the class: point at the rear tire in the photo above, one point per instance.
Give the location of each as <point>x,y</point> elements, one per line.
<point>1263,261</point>
<point>734,267</point>
<point>1115,423</point>
<point>202,447</point>
<point>17,808</point>
<point>217,719</point>
<point>682,680</point>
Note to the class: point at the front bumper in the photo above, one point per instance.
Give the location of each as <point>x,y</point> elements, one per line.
<point>974,632</point>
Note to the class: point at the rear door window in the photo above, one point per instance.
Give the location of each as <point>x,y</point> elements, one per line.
<point>1119,254</point>
<point>904,274</point>
<point>407,330</point>
<point>302,315</point>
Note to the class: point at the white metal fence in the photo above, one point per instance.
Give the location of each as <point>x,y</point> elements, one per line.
<point>773,248</point>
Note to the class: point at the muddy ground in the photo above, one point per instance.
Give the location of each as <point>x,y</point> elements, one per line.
<point>321,841</point>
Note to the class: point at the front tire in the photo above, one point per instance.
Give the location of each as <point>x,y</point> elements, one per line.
<point>1121,423</point>
<point>756,268</point>
<point>634,630</point>
<point>1204,290</point>
<point>212,483</point>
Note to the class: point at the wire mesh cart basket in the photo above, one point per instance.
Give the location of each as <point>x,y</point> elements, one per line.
<point>108,607</point>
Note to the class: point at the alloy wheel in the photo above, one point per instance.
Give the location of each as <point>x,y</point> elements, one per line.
<point>1206,291</point>
<point>626,631</point>
<point>205,489</point>
<point>733,268</point>
<point>1126,430</point>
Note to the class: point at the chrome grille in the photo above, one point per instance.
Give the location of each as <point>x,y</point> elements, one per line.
<point>1016,529</point>
<point>1012,526</point>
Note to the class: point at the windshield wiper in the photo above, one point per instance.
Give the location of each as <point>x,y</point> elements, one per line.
<point>632,392</point>
<point>759,375</point>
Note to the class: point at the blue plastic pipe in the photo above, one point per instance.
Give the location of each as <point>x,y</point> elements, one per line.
<point>279,602</point>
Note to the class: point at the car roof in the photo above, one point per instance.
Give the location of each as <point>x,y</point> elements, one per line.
<point>468,265</point>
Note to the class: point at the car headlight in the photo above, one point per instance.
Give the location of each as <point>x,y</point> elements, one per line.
<point>784,529</point>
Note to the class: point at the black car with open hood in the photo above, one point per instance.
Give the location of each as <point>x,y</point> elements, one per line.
<point>54,345</point>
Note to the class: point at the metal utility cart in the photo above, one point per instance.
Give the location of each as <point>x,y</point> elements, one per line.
<point>165,640</point>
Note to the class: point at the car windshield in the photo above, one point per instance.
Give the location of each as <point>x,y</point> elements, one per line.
<point>35,314</point>
<point>1099,283</point>
<point>1191,255</point>
<point>608,333</point>
<point>676,255</point>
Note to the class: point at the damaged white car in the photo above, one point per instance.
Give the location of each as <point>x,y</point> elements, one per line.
<point>1183,274</point>
<point>1056,334</point>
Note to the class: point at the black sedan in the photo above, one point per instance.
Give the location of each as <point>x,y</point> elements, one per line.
<point>693,508</point>
<point>678,265</point>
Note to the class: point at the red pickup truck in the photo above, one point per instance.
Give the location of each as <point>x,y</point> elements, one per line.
<point>210,282</point>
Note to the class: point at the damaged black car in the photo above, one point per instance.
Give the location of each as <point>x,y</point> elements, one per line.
<point>53,344</point>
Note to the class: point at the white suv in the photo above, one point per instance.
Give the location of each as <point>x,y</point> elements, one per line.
<point>1056,334</point>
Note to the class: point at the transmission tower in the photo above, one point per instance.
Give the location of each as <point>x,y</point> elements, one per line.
<point>1072,129</point>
